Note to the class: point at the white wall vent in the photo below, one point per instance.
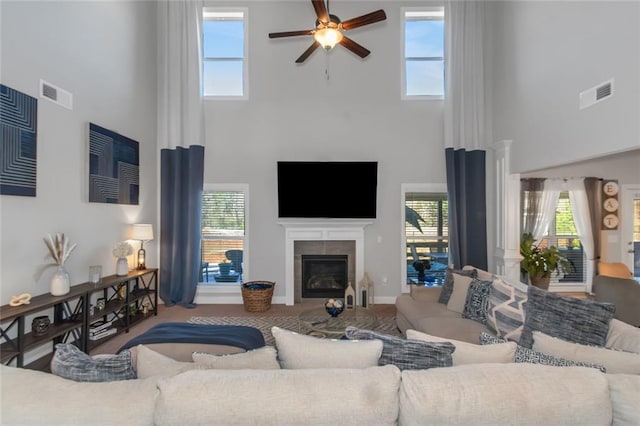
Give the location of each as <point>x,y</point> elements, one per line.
<point>596,94</point>
<point>56,94</point>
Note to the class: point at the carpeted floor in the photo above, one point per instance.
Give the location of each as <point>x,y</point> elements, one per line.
<point>386,325</point>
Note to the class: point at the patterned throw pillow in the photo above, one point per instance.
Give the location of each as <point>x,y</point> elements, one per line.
<point>477,303</point>
<point>505,316</point>
<point>71,363</point>
<point>532,357</point>
<point>568,318</point>
<point>407,354</point>
<point>447,287</point>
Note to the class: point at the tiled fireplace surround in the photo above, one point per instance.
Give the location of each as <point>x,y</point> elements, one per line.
<point>321,236</point>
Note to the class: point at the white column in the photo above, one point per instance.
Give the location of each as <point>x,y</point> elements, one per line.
<point>507,208</point>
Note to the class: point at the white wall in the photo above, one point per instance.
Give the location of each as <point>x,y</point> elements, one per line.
<point>295,113</point>
<point>104,54</point>
<point>546,53</point>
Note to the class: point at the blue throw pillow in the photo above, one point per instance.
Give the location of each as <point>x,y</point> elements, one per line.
<point>71,363</point>
<point>407,354</point>
<point>476,307</point>
<point>567,318</point>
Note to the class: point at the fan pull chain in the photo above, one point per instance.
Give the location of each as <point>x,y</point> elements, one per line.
<point>326,67</point>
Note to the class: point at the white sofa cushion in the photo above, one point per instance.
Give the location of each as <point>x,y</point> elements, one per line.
<point>264,358</point>
<point>37,398</point>
<point>468,353</point>
<point>280,397</point>
<point>505,394</point>
<point>150,363</point>
<point>614,361</point>
<point>623,336</point>
<point>624,391</point>
<point>301,351</point>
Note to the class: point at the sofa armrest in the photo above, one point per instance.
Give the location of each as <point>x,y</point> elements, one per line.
<point>425,294</point>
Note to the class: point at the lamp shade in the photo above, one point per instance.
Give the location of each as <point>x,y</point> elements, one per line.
<point>142,232</point>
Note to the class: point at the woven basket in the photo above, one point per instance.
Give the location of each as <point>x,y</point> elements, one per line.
<point>257,299</point>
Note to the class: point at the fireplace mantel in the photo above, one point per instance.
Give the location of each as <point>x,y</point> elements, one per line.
<point>321,230</point>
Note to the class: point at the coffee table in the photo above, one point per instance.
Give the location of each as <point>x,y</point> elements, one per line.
<point>318,322</point>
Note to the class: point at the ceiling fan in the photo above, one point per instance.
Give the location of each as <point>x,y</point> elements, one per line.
<point>329,30</point>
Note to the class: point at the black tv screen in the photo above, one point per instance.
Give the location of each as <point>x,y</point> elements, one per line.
<point>327,189</point>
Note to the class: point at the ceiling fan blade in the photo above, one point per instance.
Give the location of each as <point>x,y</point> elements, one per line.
<point>291,33</point>
<point>321,10</point>
<point>307,52</point>
<point>354,47</point>
<point>367,19</point>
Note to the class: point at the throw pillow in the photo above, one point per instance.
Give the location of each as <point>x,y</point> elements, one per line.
<point>616,362</point>
<point>505,316</point>
<point>526,355</point>
<point>71,363</point>
<point>623,391</point>
<point>468,353</point>
<point>447,287</point>
<point>302,351</point>
<point>265,358</point>
<point>569,318</point>
<point>476,305</point>
<point>458,297</point>
<point>623,336</point>
<point>407,354</point>
<point>150,363</point>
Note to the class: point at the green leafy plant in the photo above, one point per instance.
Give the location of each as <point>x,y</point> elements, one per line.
<point>539,261</point>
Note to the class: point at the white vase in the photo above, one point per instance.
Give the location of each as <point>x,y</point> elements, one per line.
<point>60,282</point>
<point>122,266</point>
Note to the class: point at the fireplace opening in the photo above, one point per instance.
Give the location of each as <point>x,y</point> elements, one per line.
<point>324,275</point>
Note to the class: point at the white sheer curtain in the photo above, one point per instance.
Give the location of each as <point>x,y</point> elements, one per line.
<point>180,107</point>
<point>464,118</point>
<point>582,219</point>
<point>548,203</point>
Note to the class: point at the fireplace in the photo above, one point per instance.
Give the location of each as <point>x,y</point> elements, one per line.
<point>324,275</point>
<point>322,237</point>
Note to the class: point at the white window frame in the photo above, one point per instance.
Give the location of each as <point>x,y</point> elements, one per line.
<point>232,290</point>
<point>429,10</point>
<point>207,12</point>
<point>404,188</point>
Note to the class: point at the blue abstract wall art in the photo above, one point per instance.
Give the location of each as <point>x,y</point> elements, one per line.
<point>18,134</point>
<point>114,164</point>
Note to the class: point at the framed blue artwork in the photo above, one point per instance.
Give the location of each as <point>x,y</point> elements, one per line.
<point>18,153</point>
<point>114,165</point>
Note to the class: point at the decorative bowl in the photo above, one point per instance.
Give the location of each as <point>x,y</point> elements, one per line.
<point>334,307</point>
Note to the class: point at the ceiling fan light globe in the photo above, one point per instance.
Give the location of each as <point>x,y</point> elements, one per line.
<point>327,37</point>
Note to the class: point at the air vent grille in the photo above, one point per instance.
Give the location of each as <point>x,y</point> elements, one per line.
<point>56,94</point>
<point>603,91</point>
<point>596,94</point>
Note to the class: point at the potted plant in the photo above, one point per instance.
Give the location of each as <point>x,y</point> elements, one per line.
<point>225,267</point>
<point>539,263</point>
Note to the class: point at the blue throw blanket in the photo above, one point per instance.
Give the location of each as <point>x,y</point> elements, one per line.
<point>244,337</point>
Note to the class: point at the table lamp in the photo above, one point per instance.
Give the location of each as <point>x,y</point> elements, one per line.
<point>142,232</point>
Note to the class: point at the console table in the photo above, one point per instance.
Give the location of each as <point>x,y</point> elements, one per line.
<point>124,300</point>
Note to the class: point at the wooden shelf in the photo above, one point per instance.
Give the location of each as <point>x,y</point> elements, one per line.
<point>71,319</point>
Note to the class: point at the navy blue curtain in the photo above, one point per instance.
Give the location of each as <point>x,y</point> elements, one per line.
<point>466,190</point>
<point>182,176</point>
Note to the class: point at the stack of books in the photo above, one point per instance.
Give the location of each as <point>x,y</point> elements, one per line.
<point>100,329</point>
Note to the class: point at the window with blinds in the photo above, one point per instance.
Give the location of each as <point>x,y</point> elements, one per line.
<point>223,229</point>
<point>427,236</point>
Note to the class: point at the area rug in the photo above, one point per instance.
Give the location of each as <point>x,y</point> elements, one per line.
<point>386,325</point>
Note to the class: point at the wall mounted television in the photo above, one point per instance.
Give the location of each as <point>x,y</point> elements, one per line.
<point>327,189</point>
